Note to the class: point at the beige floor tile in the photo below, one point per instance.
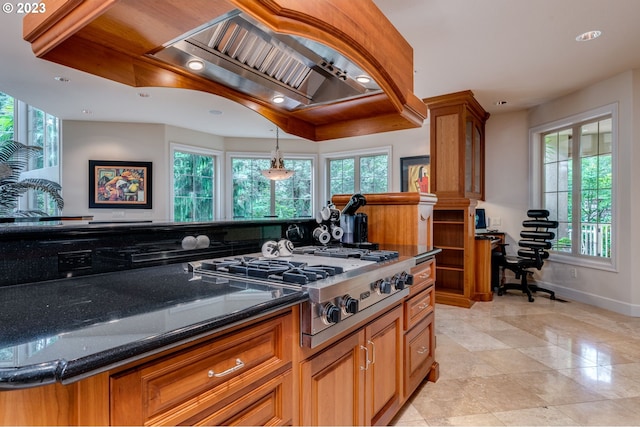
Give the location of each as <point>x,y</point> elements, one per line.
<point>540,416</point>
<point>511,362</point>
<point>516,338</point>
<point>601,413</point>
<point>500,393</point>
<point>607,381</point>
<point>556,389</point>
<point>556,357</point>
<point>467,420</point>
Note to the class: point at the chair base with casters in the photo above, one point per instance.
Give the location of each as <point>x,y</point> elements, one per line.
<point>525,287</point>
<point>534,246</point>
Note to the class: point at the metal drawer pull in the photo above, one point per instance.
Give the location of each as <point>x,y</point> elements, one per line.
<point>239,365</point>
<point>422,350</point>
<point>366,366</point>
<point>423,305</point>
<point>373,350</point>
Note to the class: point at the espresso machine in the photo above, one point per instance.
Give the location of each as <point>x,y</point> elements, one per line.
<point>355,225</point>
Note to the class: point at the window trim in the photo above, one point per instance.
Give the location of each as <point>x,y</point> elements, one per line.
<point>536,156</point>
<point>366,152</point>
<point>230,155</point>
<point>193,149</point>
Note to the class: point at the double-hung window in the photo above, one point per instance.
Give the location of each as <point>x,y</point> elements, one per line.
<point>254,196</point>
<point>578,160</point>
<point>195,183</point>
<point>358,172</point>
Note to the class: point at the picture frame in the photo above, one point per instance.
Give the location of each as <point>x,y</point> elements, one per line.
<point>415,174</point>
<point>120,184</point>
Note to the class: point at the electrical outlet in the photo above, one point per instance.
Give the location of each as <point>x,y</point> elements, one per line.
<point>496,221</point>
<point>74,261</point>
<point>574,273</point>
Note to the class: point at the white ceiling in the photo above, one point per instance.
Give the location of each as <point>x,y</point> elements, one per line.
<point>520,51</point>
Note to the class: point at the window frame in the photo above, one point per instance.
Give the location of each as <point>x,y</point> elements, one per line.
<point>325,158</point>
<point>217,185</point>
<point>230,155</point>
<point>536,182</point>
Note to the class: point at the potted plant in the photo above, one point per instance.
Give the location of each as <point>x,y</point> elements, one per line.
<point>14,158</point>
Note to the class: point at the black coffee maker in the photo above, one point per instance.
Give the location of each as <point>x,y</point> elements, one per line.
<point>355,225</point>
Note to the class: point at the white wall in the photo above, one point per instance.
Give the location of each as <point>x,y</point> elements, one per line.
<point>614,290</point>
<point>86,140</point>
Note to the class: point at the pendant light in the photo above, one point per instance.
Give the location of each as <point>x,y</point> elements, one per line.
<point>277,171</point>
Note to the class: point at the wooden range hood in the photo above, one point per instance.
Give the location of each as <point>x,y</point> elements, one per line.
<point>121,39</point>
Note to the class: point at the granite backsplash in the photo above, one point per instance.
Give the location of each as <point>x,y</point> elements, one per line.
<point>39,253</point>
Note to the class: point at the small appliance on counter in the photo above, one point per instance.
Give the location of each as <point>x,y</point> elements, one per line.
<point>355,225</point>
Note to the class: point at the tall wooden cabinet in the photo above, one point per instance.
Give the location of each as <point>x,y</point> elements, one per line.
<point>457,140</point>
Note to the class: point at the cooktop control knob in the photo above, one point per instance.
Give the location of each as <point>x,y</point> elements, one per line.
<point>382,286</point>
<point>331,313</point>
<point>408,278</point>
<point>398,281</point>
<point>349,304</point>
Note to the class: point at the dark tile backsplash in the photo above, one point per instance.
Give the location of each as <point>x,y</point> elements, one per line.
<point>39,253</point>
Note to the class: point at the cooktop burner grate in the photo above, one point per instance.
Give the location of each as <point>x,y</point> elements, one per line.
<point>287,271</point>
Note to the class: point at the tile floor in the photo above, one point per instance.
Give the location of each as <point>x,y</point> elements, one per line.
<point>547,363</point>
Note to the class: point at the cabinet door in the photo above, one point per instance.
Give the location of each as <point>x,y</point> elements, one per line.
<point>332,384</point>
<point>384,373</point>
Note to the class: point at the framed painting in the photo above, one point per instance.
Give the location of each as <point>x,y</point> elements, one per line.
<point>415,174</point>
<point>120,184</point>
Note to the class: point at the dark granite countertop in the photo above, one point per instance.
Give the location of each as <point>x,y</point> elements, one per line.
<point>68,329</point>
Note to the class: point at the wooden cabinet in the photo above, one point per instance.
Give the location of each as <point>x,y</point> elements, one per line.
<point>454,233</point>
<point>244,377</point>
<point>419,337</point>
<point>457,145</point>
<point>485,245</point>
<point>358,380</point>
<point>388,213</point>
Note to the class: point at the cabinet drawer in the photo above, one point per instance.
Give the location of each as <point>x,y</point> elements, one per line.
<point>268,404</point>
<point>418,307</point>
<point>181,385</point>
<point>419,353</point>
<point>423,276</point>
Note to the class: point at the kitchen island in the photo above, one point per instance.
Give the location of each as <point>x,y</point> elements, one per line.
<point>149,345</point>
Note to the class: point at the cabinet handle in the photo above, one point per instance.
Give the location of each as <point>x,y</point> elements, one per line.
<point>366,366</point>
<point>424,275</point>
<point>422,350</point>
<point>239,365</point>
<point>373,350</point>
<point>423,305</point>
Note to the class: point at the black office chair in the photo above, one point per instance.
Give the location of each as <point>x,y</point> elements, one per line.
<point>534,246</point>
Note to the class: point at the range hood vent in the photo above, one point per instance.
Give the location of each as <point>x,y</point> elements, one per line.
<point>240,53</point>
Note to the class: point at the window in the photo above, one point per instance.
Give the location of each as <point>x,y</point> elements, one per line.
<point>255,196</point>
<point>358,172</point>
<point>7,108</point>
<point>194,184</point>
<point>31,126</point>
<point>578,187</point>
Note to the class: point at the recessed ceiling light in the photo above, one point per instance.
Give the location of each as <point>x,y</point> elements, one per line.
<point>143,95</point>
<point>501,103</point>
<point>278,99</point>
<point>86,111</point>
<point>363,79</point>
<point>589,35</point>
<point>61,79</point>
<point>215,112</point>
<point>195,64</point>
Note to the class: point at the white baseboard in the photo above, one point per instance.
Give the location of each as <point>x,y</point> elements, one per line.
<point>592,299</point>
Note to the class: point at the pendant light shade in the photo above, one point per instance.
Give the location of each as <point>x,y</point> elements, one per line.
<point>277,171</point>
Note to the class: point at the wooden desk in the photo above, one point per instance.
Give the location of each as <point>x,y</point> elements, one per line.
<point>485,244</point>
